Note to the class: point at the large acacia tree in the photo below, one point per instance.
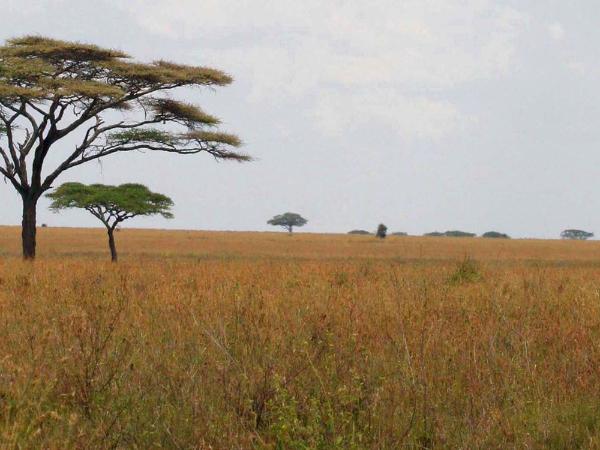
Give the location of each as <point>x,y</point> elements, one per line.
<point>112,205</point>
<point>53,92</point>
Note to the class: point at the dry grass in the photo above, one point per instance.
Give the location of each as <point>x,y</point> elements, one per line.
<point>249,340</point>
<point>61,242</point>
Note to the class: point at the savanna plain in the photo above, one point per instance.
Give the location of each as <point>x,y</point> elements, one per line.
<point>215,340</point>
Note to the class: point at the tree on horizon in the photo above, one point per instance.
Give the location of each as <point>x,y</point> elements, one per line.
<point>51,90</point>
<point>288,221</point>
<point>112,205</point>
<point>578,235</point>
<point>381,231</point>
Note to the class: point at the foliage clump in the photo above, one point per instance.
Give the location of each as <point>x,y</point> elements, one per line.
<point>112,205</point>
<point>288,221</point>
<point>467,271</point>
<point>451,233</point>
<point>458,233</point>
<point>360,232</point>
<point>579,235</point>
<point>495,235</point>
<point>381,232</point>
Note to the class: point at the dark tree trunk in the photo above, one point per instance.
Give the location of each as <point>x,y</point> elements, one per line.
<point>111,244</point>
<point>28,227</point>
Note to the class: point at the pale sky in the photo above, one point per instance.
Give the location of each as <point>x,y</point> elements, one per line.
<point>422,114</point>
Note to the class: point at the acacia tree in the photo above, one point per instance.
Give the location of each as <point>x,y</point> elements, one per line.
<point>579,235</point>
<point>54,91</point>
<point>288,221</point>
<point>111,204</point>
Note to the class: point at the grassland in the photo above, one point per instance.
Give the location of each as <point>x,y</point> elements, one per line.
<point>261,340</point>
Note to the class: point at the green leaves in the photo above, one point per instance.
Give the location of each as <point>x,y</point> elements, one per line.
<point>197,75</point>
<point>111,204</point>
<point>51,67</point>
<point>143,135</point>
<point>55,50</point>
<point>185,113</point>
<point>212,142</point>
<point>214,137</point>
<point>288,220</point>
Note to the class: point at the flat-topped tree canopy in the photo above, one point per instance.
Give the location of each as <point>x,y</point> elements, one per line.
<point>111,204</point>
<point>50,89</point>
<point>288,220</point>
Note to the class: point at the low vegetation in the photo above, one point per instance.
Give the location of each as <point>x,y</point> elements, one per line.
<point>451,233</point>
<point>495,235</point>
<point>361,232</point>
<point>224,340</point>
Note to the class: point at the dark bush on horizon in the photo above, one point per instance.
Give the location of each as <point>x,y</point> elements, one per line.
<point>495,235</point>
<point>451,233</point>
<point>381,231</point>
<point>361,232</point>
<point>458,233</point>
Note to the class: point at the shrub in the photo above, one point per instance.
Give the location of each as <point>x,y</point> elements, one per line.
<point>362,232</point>
<point>495,235</point>
<point>467,271</point>
<point>458,233</point>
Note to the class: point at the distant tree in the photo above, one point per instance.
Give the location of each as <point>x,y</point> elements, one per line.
<point>576,234</point>
<point>288,221</point>
<point>381,231</point>
<point>111,204</point>
<point>434,234</point>
<point>362,232</point>
<point>451,233</point>
<point>458,233</point>
<point>495,235</point>
<point>55,93</point>
<point>399,233</point>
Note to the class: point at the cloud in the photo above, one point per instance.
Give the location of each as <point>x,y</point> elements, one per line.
<point>290,51</point>
<point>410,117</point>
<point>556,31</point>
<point>577,67</point>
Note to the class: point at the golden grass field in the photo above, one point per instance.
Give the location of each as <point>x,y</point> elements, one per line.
<point>216,340</point>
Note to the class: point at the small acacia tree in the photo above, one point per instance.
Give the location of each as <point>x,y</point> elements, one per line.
<point>52,90</point>
<point>579,235</point>
<point>111,204</point>
<point>288,221</point>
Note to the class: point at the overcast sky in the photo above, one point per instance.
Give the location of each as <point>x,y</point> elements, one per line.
<point>422,114</point>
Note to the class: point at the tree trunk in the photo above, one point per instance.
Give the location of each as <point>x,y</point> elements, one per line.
<point>111,244</point>
<point>28,227</point>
